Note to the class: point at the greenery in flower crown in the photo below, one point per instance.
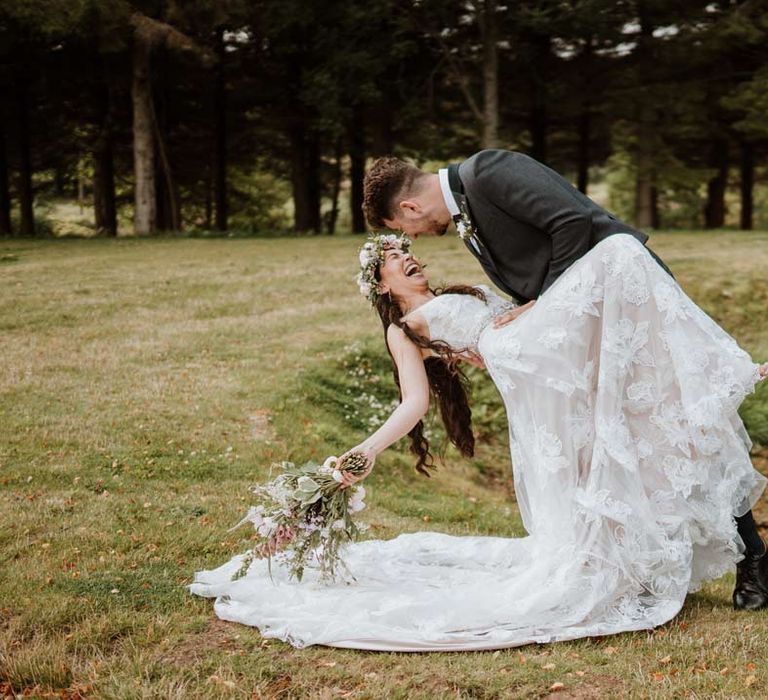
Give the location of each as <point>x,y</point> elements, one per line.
<point>372,255</point>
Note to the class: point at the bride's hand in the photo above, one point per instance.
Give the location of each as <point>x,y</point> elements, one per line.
<point>508,316</point>
<point>347,478</point>
<point>763,370</point>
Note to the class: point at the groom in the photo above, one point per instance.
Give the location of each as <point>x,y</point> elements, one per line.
<point>526,224</point>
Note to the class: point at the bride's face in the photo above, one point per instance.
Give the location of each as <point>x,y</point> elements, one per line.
<point>401,274</point>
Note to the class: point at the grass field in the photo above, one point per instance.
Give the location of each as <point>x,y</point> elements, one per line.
<point>145,384</point>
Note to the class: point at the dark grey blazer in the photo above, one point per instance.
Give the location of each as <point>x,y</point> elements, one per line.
<point>532,223</point>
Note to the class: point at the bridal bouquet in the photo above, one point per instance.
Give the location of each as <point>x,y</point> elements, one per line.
<point>305,515</point>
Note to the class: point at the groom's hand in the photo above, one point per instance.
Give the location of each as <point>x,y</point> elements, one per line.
<point>508,316</point>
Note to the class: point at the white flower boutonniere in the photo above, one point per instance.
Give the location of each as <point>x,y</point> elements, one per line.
<point>464,225</point>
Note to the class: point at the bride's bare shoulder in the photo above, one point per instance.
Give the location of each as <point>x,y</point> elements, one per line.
<point>397,338</point>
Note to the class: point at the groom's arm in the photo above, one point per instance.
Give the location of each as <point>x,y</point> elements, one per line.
<point>528,191</point>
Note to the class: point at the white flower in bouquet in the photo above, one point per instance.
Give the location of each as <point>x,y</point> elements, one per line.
<point>356,503</point>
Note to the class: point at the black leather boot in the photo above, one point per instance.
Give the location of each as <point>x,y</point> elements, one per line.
<point>751,592</point>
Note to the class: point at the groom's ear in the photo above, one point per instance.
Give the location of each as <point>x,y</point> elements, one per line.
<point>409,209</point>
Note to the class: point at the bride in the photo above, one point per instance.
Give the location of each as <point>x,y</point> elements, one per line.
<point>630,463</point>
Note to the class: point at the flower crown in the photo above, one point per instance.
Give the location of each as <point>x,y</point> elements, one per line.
<point>372,255</point>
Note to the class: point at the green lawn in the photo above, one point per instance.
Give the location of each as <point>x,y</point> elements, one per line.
<point>145,384</point>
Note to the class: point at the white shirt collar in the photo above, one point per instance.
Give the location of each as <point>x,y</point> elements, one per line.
<point>450,200</point>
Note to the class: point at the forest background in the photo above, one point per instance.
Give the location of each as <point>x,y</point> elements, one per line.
<point>258,117</point>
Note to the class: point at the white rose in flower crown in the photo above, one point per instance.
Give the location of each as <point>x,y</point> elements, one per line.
<point>367,256</point>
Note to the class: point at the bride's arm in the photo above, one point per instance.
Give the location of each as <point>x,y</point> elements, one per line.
<point>413,406</point>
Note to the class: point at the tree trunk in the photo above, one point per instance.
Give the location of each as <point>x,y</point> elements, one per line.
<point>147,136</point>
<point>163,215</point>
<point>357,170</point>
<point>168,199</point>
<point>220,117</point>
<point>655,216</point>
<point>5,193</point>
<point>539,111</point>
<point>81,184</point>
<point>305,162</point>
<point>585,118</point>
<point>489,30</point>
<point>747,167</point>
<point>644,215</point>
<point>167,187</point>
<point>208,222</point>
<point>145,203</point>
<point>380,121</point>
<point>105,208</point>
<point>645,198</point>
<point>714,211</point>
<point>539,130</point>
<point>26,205</point>
<point>585,134</point>
<point>59,180</point>
<point>333,215</point>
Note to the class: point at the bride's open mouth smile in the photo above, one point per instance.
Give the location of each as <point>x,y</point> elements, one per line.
<point>412,269</point>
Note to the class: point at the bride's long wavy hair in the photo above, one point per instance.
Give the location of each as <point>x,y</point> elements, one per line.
<point>447,382</point>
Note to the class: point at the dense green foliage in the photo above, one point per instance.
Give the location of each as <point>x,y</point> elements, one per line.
<point>263,114</point>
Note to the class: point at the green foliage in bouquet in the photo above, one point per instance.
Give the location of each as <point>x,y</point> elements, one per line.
<point>305,517</point>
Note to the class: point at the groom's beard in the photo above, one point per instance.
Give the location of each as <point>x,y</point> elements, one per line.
<point>437,227</point>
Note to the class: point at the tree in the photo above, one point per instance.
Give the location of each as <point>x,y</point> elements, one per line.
<point>148,35</point>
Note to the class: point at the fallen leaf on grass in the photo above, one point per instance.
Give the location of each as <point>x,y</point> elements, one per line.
<point>749,681</point>
<point>221,681</point>
<point>548,667</point>
<point>556,686</point>
<point>327,664</point>
<point>665,660</point>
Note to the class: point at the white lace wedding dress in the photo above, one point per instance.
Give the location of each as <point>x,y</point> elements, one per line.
<point>630,462</point>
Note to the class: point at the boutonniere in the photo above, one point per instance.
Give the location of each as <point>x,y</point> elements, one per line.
<point>464,225</point>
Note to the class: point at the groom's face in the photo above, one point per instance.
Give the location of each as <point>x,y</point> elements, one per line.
<point>415,219</point>
<point>416,228</point>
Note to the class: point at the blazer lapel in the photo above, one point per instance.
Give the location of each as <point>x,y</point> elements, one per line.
<point>483,254</point>
<point>457,189</point>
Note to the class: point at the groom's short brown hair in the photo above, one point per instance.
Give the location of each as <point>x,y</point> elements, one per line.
<point>388,179</point>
